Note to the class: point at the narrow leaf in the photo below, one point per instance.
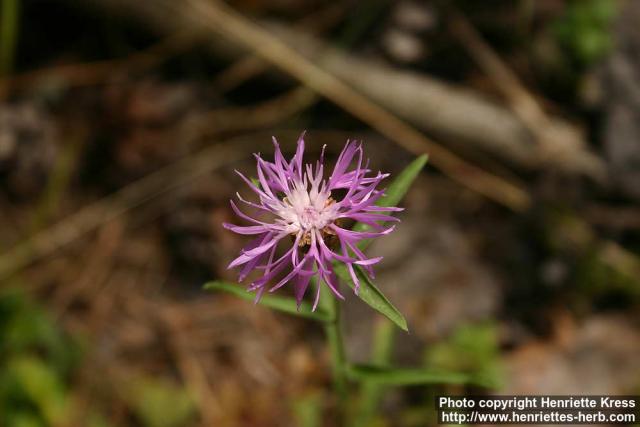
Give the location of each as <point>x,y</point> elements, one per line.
<point>370,294</point>
<point>401,184</point>
<point>286,305</point>
<point>371,393</point>
<point>398,188</point>
<point>410,376</point>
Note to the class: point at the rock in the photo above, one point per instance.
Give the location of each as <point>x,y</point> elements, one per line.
<point>598,356</point>
<point>27,149</point>
<point>621,82</point>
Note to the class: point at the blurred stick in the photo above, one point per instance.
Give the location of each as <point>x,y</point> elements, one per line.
<point>455,114</point>
<point>447,111</point>
<point>173,176</point>
<point>86,74</point>
<point>61,175</point>
<point>89,218</point>
<point>572,233</point>
<point>250,66</point>
<point>255,116</point>
<point>622,260</point>
<point>96,271</point>
<point>429,104</point>
<point>559,143</point>
<point>450,112</point>
<point>221,19</point>
<point>217,18</point>
<point>193,373</point>
<point>617,218</point>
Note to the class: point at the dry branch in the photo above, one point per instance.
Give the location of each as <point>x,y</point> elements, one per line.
<point>104,210</point>
<point>219,19</point>
<point>447,111</point>
<point>216,18</point>
<point>85,74</point>
<point>558,143</point>
<point>444,110</point>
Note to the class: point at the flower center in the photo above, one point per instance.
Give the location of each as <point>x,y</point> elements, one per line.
<point>307,216</point>
<point>314,219</point>
<point>310,217</point>
<point>308,210</point>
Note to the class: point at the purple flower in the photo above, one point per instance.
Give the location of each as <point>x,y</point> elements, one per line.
<point>301,208</point>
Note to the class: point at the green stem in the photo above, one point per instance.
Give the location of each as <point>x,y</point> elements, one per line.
<point>335,342</point>
<point>9,12</point>
<point>371,393</point>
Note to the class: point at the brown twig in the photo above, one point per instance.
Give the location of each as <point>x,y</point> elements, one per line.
<point>96,271</point>
<point>221,19</point>
<point>190,367</point>
<point>207,125</point>
<point>616,218</point>
<point>559,143</point>
<point>85,74</point>
<point>255,116</point>
<point>251,66</point>
<point>104,210</point>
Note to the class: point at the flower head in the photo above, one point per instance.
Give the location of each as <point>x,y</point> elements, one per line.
<point>299,206</point>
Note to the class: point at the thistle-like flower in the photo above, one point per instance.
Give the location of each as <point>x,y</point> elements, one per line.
<point>297,205</point>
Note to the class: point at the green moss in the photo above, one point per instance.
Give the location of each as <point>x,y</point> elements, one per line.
<point>584,30</point>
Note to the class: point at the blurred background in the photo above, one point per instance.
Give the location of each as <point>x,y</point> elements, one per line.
<point>121,122</point>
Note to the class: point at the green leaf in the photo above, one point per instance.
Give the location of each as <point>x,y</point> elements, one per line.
<point>307,410</point>
<point>370,294</point>
<point>160,402</point>
<point>409,376</point>
<point>401,184</point>
<point>286,305</point>
<point>31,380</point>
<point>472,349</point>
<point>396,190</point>
<point>25,327</point>
<point>371,393</point>
<point>25,419</point>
